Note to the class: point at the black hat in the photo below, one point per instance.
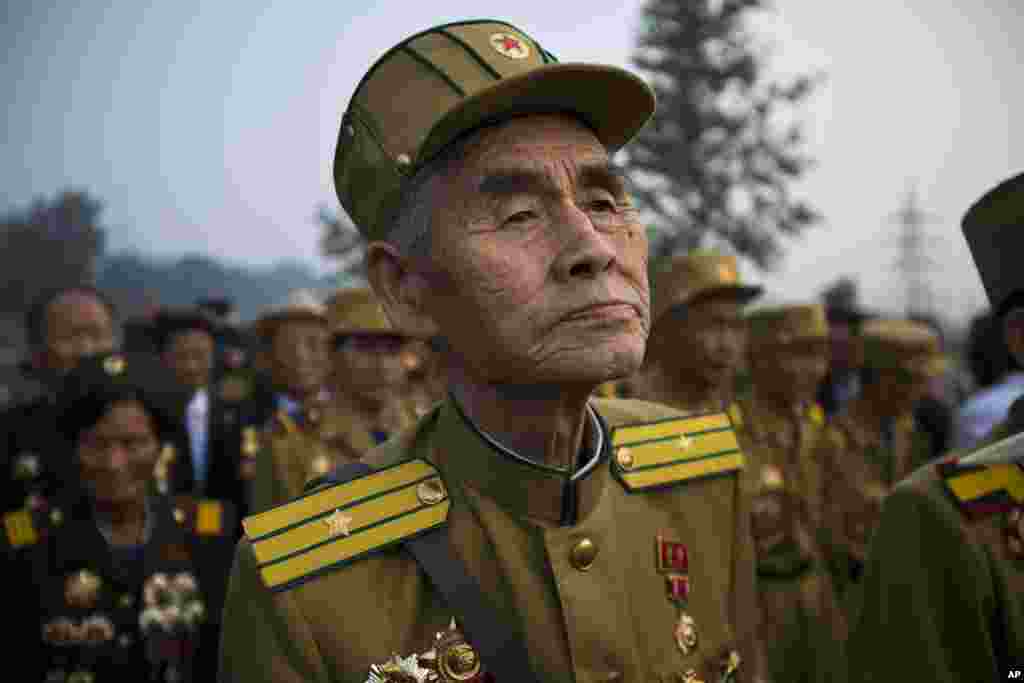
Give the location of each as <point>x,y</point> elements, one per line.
<point>169,322</point>
<point>99,381</point>
<point>994,230</point>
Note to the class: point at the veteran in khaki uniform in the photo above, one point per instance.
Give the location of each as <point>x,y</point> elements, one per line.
<point>699,334</point>
<point>943,593</point>
<point>522,530</point>
<point>788,356</point>
<point>874,442</point>
<point>294,444</point>
<point>370,397</point>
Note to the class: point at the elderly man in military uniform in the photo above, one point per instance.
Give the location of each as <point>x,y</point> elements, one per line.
<point>370,400</point>
<point>523,530</point>
<point>943,594</point>
<point>788,356</point>
<point>296,443</point>
<point>698,337</point>
<point>874,442</point>
<point>63,326</point>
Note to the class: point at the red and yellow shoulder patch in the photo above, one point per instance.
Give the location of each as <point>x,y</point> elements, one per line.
<point>21,529</point>
<point>983,490</point>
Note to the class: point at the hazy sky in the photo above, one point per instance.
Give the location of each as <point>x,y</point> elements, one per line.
<point>210,126</point>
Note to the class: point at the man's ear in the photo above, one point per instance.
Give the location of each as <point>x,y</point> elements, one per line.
<point>1013,333</point>
<point>401,288</point>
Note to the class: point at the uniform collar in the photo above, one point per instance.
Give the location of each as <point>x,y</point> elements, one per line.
<point>527,488</point>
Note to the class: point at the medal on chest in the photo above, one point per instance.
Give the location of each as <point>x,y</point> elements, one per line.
<point>451,660</point>
<point>672,560</point>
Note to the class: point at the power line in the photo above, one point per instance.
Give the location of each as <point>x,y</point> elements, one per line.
<point>915,262</point>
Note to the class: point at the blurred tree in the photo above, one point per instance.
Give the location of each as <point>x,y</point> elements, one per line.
<point>341,242</point>
<point>50,244</point>
<point>716,161</point>
<point>842,295</point>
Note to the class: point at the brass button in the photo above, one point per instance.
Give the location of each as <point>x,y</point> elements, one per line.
<point>56,517</point>
<point>583,554</point>
<point>430,492</point>
<point>624,457</point>
<point>179,515</point>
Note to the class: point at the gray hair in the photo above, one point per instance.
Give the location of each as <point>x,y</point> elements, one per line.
<point>411,225</point>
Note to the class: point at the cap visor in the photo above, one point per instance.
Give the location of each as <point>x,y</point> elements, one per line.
<point>613,102</point>
<point>742,293</point>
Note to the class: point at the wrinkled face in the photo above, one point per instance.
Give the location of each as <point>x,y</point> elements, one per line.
<point>791,372</point>
<point>706,342</point>
<point>369,365</point>
<point>116,456</point>
<point>189,355</point>
<point>538,271</point>
<point>299,359</point>
<point>77,325</point>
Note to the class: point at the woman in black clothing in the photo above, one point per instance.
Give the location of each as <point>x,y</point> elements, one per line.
<point>118,582</point>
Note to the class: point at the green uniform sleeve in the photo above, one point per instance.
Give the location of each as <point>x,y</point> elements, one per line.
<point>264,637</point>
<point>927,597</point>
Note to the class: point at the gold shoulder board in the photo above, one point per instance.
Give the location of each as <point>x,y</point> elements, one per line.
<point>20,529</point>
<point>669,452</point>
<point>337,524</point>
<point>982,490</point>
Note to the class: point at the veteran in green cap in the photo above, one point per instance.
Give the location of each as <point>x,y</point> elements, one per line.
<point>522,530</point>
<point>787,358</point>
<point>874,442</point>
<point>296,443</point>
<point>943,591</point>
<point>371,394</point>
<point>698,339</point>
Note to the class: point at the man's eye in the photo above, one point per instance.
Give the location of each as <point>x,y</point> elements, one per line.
<point>603,205</point>
<point>521,217</point>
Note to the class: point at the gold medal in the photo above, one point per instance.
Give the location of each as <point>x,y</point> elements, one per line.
<point>320,465</point>
<point>686,634</point>
<point>82,589</point>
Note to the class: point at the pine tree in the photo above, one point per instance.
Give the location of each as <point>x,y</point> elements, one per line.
<point>715,163</point>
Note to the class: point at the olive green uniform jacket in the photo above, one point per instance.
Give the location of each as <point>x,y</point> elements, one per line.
<point>802,622</point>
<point>518,528</point>
<point>858,469</point>
<point>943,591</point>
<point>294,451</point>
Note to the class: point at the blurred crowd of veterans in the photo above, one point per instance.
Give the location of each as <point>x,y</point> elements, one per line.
<point>135,450</point>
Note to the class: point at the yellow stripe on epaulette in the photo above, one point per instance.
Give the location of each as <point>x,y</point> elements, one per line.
<point>990,479</point>
<point>20,528</point>
<point>209,518</point>
<point>672,451</point>
<point>336,525</point>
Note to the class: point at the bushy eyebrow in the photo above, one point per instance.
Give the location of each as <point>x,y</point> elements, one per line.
<point>521,181</point>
